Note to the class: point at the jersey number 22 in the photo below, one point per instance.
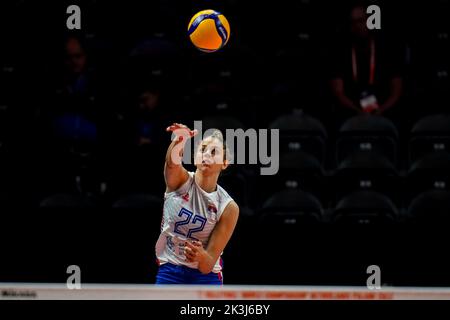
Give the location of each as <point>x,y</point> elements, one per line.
<point>197,220</point>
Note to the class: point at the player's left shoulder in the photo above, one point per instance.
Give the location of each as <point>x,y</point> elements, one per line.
<point>230,215</point>
<point>231,209</point>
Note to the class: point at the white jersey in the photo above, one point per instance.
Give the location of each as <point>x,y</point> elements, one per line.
<point>189,213</point>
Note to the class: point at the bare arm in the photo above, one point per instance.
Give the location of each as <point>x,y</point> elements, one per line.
<point>219,238</point>
<point>396,88</point>
<point>337,87</point>
<point>175,174</point>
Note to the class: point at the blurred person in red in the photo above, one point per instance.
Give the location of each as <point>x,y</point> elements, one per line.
<point>366,71</point>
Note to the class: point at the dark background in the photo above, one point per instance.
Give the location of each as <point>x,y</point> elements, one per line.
<point>277,62</point>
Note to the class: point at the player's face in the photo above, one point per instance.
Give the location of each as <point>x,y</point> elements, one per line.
<point>210,156</point>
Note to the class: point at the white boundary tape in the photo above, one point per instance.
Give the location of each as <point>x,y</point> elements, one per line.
<point>33,291</point>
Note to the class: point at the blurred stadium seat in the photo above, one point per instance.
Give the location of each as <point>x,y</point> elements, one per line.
<point>67,201</point>
<point>149,202</point>
<point>298,170</point>
<point>432,171</point>
<point>291,207</point>
<point>365,208</point>
<point>237,185</point>
<point>429,134</point>
<point>367,170</point>
<point>431,207</point>
<point>301,132</point>
<point>367,133</point>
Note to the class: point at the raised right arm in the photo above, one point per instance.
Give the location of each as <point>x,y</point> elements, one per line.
<point>175,174</point>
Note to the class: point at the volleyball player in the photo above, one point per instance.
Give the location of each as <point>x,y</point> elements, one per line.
<point>199,216</point>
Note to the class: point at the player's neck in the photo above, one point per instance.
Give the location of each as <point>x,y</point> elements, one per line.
<point>208,183</point>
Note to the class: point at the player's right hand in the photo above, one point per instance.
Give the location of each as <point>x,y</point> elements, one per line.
<point>181,131</point>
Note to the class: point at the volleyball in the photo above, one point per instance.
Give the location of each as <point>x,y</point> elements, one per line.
<point>209,30</point>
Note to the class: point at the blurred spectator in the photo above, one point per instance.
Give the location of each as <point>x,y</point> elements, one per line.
<point>75,113</point>
<point>136,143</point>
<point>366,71</point>
<point>76,75</point>
<point>70,121</point>
<point>145,122</point>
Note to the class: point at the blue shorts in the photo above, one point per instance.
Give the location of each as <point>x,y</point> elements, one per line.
<point>172,274</point>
